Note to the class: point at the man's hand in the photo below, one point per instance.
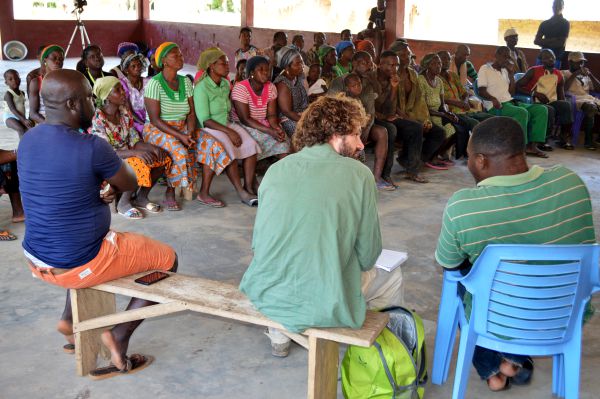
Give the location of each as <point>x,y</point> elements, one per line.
<point>583,71</point>
<point>107,192</point>
<point>541,97</point>
<point>464,105</point>
<point>510,66</point>
<point>452,117</point>
<point>394,81</point>
<point>496,103</point>
<point>147,156</point>
<point>28,123</point>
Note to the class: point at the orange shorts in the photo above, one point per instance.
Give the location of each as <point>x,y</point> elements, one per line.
<point>120,255</point>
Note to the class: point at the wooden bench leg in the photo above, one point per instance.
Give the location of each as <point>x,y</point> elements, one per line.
<point>323,357</point>
<point>87,304</point>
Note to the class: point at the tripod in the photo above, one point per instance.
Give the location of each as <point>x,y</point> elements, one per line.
<point>85,39</point>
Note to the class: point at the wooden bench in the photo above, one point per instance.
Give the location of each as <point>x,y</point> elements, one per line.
<point>94,311</point>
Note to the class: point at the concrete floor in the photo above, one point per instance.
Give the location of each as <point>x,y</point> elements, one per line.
<point>205,357</point>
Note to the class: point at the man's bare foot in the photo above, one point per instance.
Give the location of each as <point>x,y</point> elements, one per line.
<point>66,328</point>
<point>116,357</point>
<point>497,382</point>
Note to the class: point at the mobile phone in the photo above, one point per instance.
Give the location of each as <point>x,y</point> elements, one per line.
<point>151,278</point>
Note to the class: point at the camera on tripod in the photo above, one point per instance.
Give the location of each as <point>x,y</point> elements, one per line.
<point>79,4</point>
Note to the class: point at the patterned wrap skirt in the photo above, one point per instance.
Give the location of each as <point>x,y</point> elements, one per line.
<point>269,146</point>
<point>143,170</point>
<point>206,150</point>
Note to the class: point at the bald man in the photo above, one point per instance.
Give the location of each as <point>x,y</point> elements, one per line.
<point>462,66</point>
<point>67,181</point>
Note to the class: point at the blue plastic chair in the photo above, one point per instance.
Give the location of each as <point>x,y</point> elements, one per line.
<point>522,97</point>
<point>577,116</point>
<point>536,307</point>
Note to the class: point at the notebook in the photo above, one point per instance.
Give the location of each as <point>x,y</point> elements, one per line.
<point>389,260</point>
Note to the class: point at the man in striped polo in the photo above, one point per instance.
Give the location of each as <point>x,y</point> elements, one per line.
<point>511,204</point>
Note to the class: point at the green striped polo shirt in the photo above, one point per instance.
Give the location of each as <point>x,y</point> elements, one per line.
<point>170,110</point>
<point>540,206</point>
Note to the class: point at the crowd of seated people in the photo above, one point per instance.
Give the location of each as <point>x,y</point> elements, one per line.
<point>166,125</point>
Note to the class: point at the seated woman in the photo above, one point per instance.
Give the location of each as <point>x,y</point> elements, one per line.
<point>212,106</point>
<point>134,85</point>
<point>345,52</point>
<point>292,98</point>
<point>91,64</point>
<point>433,92</point>
<point>171,125</point>
<point>113,122</point>
<point>124,50</point>
<point>255,108</point>
<point>240,71</point>
<point>328,61</point>
<point>51,59</point>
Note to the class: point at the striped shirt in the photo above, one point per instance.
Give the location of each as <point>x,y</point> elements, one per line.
<point>169,110</point>
<point>258,104</point>
<point>540,206</point>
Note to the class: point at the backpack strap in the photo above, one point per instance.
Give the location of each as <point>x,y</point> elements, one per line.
<point>386,368</point>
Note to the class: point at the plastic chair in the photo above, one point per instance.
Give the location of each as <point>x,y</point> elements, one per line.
<point>536,307</point>
<point>522,97</point>
<point>578,116</point>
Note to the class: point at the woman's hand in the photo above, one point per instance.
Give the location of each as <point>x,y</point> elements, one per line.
<point>186,140</point>
<point>235,138</point>
<point>277,133</point>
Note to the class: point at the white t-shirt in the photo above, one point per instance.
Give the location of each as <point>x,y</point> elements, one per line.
<point>496,82</point>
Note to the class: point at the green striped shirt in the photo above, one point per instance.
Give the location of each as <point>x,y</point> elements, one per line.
<point>169,110</point>
<point>540,206</point>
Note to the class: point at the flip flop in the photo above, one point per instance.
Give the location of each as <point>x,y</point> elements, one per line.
<point>18,219</point>
<point>171,205</point>
<point>251,202</point>
<point>132,214</point>
<point>213,204</point>
<point>69,348</point>
<point>417,179</point>
<point>150,207</point>
<point>436,166</point>
<point>134,363</point>
<point>385,186</point>
<point>7,236</point>
<point>538,154</point>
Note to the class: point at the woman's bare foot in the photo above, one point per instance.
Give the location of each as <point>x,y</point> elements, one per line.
<point>509,369</point>
<point>66,328</point>
<point>116,357</point>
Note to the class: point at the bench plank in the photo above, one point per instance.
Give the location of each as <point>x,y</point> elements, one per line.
<point>225,300</point>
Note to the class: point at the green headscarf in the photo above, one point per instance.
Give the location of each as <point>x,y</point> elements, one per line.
<point>103,87</point>
<point>209,57</point>
<point>323,51</point>
<point>49,50</point>
<point>162,51</point>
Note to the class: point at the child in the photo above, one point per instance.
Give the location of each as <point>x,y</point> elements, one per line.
<point>316,85</point>
<point>15,117</point>
<point>240,71</point>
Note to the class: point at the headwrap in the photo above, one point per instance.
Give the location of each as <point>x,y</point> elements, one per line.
<point>49,50</point>
<point>124,47</point>
<point>323,51</point>
<point>343,45</point>
<point>103,87</point>
<point>137,56</point>
<point>427,60</point>
<point>399,44</point>
<point>285,56</point>
<point>162,51</point>
<point>254,62</point>
<point>209,57</point>
<point>366,46</point>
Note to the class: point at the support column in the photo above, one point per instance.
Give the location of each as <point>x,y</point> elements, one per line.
<point>394,20</point>
<point>247,13</point>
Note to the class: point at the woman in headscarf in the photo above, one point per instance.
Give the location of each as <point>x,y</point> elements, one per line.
<point>255,108</point>
<point>114,122</point>
<point>328,60</point>
<point>432,89</point>
<point>134,85</point>
<point>292,98</point>
<point>124,50</point>
<point>172,125</point>
<point>345,52</point>
<point>367,46</point>
<point>51,59</point>
<point>91,64</point>
<point>212,106</point>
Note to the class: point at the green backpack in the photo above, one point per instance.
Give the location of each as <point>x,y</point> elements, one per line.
<point>394,367</point>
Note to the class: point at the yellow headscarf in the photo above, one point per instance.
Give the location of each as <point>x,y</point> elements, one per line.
<point>162,51</point>
<point>103,87</point>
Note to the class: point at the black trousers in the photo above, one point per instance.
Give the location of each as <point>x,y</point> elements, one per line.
<point>411,135</point>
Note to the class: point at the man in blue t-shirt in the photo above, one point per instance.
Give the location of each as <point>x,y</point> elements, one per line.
<point>67,181</point>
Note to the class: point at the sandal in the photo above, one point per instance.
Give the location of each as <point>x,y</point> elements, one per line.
<point>7,236</point>
<point>132,214</point>
<point>69,348</point>
<point>416,178</point>
<point>214,203</point>
<point>18,219</point>
<point>385,186</point>
<point>150,207</point>
<point>171,205</point>
<point>545,147</point>
<point>567,146</point>
<point>538,154</point>
<point>133,364</point>
<point>436,165</point>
